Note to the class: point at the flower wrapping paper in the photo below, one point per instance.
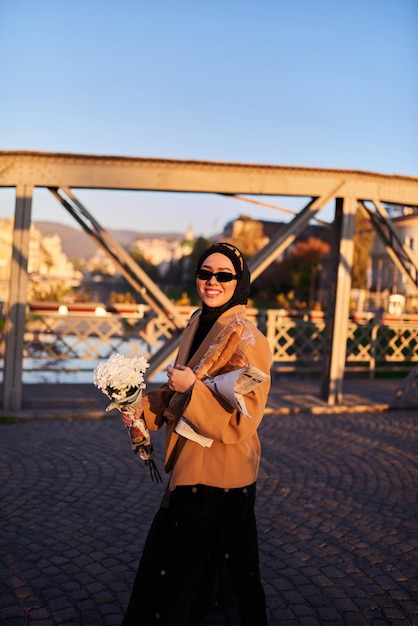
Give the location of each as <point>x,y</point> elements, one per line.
<point>121,379</point>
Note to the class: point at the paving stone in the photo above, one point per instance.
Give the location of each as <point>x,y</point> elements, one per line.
<point>336,508</point>
<point>39,614</point>
<point>10,611</point>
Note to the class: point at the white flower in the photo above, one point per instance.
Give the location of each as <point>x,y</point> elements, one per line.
<point>120,376</point>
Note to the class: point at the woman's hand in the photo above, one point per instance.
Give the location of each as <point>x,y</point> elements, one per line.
<point>128,420</point>
<point>180,378</point>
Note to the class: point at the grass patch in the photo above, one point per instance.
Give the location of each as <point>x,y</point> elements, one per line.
<point>7,420</point>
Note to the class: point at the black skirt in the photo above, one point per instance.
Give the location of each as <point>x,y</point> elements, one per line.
<point>200,559</point>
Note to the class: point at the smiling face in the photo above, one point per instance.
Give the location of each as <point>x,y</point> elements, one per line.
<point>213,293</point>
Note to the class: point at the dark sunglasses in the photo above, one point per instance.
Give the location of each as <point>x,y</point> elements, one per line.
<point>221,277</point>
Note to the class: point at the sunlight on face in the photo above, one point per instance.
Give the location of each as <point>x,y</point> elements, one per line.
<point>213,293</point>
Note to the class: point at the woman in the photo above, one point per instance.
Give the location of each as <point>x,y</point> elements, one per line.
<point>202,544</point>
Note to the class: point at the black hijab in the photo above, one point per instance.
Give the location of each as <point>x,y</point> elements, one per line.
<point>209,315</point>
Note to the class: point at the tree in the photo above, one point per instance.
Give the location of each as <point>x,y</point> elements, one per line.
<point>272,281</point>
<point>303,265</point>
<point>199,247</point>
<point>151,270</point>
<point>363,242</point>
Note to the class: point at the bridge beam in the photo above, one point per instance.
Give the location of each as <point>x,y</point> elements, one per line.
<point>25,170</point>
<point>338,308</point>
<point>16,308</point>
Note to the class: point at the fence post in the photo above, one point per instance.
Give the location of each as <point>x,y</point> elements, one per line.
<point>373,344</point>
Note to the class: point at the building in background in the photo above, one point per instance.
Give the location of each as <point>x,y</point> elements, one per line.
<point>162,250</point>
<point>50,271</point>
<point>386,279</point>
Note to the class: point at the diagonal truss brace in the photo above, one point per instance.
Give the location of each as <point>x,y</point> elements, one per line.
<point>288,234</point>
<point>139,279</point>
<point>133,273</point>
<point>268,205</point>
<point>401,255</point>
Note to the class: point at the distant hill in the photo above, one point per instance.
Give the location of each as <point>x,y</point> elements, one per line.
<point>76,244</point>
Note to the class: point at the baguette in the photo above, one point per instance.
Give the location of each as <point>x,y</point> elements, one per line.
<point>238,360</point>
<point>220,355</point>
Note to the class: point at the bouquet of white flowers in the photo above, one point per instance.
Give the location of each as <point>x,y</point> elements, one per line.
<point>122,380</point>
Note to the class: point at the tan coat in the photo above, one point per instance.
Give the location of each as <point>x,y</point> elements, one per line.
<point>233,459</point>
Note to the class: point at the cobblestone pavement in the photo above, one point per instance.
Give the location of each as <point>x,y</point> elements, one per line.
<point>337,515</point>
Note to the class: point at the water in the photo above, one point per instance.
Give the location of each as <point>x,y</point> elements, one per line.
<point>76,369</point>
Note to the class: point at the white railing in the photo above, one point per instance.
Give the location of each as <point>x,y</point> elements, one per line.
<point>374,342</point>
<point>61,341</point>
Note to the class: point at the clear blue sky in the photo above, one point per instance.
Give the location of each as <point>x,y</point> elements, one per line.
<point>325,83</point>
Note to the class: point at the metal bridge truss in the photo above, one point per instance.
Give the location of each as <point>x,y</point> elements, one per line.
<point>62,173</point>
<point>401,255</point>
<point>134,274</point>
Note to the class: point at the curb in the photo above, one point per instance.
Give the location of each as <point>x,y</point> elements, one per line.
<point>46,414</point>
